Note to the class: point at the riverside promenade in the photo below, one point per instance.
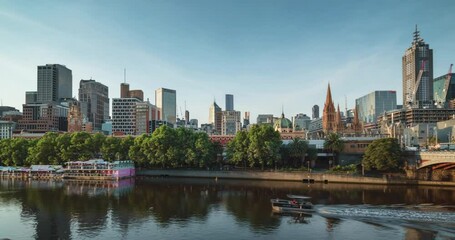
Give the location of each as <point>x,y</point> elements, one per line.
<point>287,176</point>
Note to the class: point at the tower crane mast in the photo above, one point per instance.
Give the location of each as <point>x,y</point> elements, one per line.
<point>447,84</point>
<point>417,84</point>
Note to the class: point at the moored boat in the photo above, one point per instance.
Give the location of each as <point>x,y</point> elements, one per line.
<point>98,169</point>
<point>295,203</point>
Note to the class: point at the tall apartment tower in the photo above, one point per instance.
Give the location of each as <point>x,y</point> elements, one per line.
<point>94,101</point>
<point>418,93</point>
<point>229,102</point>
<point>55,82</point>
<point>166,101</point>
<point>315,112</point>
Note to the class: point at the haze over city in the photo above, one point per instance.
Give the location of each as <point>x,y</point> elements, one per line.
<point>268,54</point>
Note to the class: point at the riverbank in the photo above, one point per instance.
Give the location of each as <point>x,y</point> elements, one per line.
<point>287,176</point>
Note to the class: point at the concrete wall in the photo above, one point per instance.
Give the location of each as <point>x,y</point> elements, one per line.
<point>287,176</point>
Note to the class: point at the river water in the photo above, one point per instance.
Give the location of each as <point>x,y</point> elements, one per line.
<point>177,208</point>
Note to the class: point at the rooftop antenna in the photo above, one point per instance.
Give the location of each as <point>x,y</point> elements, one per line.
<point>124,75</point>
<point>417,36</point>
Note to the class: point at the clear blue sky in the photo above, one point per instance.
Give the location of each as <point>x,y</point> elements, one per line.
<point>267,53</point>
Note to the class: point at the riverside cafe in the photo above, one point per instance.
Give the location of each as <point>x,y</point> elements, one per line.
<point>35,171</point>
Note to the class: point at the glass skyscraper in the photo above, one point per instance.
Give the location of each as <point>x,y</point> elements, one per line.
<point>229,102</point>
<point>166,101</point>
<point>372,105</point>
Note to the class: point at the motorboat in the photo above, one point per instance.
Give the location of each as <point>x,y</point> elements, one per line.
<point>295,203</point>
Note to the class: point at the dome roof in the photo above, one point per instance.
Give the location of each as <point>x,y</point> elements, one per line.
<point>282,122</point>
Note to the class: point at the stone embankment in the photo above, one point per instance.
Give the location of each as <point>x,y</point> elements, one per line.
<point>288,176</point>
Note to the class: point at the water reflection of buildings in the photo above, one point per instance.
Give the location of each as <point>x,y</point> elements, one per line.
<point>98,188</point>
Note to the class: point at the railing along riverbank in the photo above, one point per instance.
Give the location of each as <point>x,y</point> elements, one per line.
<point>287,176</point>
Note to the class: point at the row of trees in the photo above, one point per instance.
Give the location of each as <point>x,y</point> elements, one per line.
<point>166,147</point>
<point>261,147</point>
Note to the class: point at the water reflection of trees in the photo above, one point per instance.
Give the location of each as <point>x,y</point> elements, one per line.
<point>55,206</point>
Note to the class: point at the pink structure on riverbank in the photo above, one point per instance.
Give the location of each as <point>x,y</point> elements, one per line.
<point>99,169</point>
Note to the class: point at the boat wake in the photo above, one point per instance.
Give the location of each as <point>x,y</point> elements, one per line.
<point>425,217</point>
<point>417,213</point>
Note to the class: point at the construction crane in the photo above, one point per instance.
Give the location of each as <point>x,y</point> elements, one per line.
<point>417,83</point>
<point>447,84</point>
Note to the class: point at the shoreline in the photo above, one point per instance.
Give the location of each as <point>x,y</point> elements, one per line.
<point>288,177</point>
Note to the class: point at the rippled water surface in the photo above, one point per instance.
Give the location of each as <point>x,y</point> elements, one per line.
<point>168,208</point>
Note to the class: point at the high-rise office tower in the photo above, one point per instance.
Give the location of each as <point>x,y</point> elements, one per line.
<point>214,108</point>
<point>246,119</point>
<point>215,117</point>
<point>315,112</point>
<point>187,116</point>
<point>229,102</point>
<point>55,82</point>
<point>418,74</point>
<point>166,101</point>
<point>43,110</point>
<point>94,101</point>
<point>124,90</point>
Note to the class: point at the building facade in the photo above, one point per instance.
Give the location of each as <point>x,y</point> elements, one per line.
<point>55,82</point>
<point>145,113</point>
<point>6,129</point>
<point>94,101</point>
<point>229,102</point>
<point>43,117</point>
<point>230,122</point>
<point>417,62</point>
<point>315,112</point>
<point>372,105</point>
<point>166,101</point>
<point>124,116</point>
<point>264,119</point>
<point>301,122</point>
<point>444,90</point>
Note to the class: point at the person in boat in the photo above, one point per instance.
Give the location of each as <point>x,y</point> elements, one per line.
<point>294,202</point>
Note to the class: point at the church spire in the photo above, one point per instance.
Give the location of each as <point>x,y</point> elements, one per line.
<point>328,99</point>
<point>329,113</point>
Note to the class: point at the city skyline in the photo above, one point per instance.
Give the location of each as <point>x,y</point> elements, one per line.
<point>268,54</point>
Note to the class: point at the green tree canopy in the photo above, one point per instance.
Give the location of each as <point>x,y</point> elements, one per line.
<point>383,154</point>
<point>334,144</point>
<point>237,149</point>
<point>264,146</point>
<point>298,148</point>
<point>46,151</point>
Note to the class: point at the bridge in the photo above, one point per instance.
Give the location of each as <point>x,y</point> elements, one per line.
<point>436,160</point>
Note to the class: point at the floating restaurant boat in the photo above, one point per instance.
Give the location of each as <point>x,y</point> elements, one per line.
<point>98,169</point>
<point>295,203</point>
